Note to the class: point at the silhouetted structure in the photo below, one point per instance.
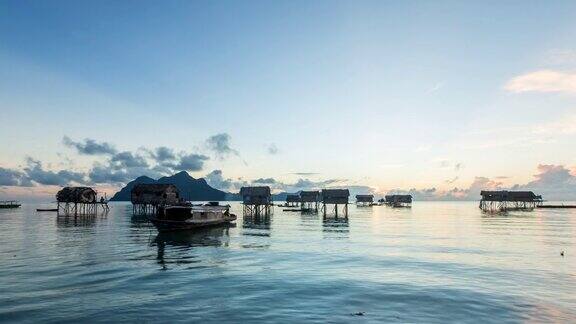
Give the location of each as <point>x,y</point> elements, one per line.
<point>78,201</point>
<point>147,197</point>
<point>399,200</point>
<point>257,200</point>
<point>364,200</point>
<point>309,200</point>
<point>292,200</point>
<point>504,200</point>
<point>9,204</point>
<point>335,197</point>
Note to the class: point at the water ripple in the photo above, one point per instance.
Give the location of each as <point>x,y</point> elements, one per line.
<point>437,262</point>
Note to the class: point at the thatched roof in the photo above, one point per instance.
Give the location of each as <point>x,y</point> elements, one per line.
<point>256,195</point>
<point>335,193</point>
<point>504,195</point>
<point>309,196</point>
<point>364,198</point>
<point>407,199</point>
<point>263,191</point>
<point>76,195</point>
<point>335,196</point>
<point>155,193</point>
<point>292,198</point>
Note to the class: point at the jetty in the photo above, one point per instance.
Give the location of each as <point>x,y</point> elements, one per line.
<point>79,201</point>
<point>257,201</point>
<point>398,201</point>
<point>504,200</point>
<point>364,200</point>
<point>332,198</point>
<point>146,198</point>
<point>5,204</point>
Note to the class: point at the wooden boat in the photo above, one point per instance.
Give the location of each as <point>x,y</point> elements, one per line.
<point>9,204</point>
<point>399,205</point>
<point>46,209</point>
<point>173,218</point>
<point>556,206</point>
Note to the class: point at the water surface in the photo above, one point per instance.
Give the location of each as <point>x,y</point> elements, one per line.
<point>435,262</point>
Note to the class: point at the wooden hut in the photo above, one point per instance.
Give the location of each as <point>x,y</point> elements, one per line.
<point>309,200</point>
<point>77,201</point>
<point>504,200</point>
<point>335,197</point>
<point>292,200</point>
<point>147,197</point>
<point>9,204</point>
<point>257,200</point>
<point>399,200</point>
<point>364,200</point>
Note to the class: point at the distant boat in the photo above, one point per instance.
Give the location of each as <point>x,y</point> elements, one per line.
<point>172,218</point>
<point>9,204</point>
<point>46,209</point>
<point>556,206</point>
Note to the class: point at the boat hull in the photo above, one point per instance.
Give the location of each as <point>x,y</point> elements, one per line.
<point>9,206</point>
<point>164,225</point>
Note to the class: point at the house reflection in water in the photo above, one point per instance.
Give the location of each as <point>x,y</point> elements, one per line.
<point>339,227</point>
<point>63,221</point>
<point>257,225</point>
<point>175,247</point>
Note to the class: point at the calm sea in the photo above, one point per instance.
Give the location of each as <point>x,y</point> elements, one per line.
<point>436,262</point>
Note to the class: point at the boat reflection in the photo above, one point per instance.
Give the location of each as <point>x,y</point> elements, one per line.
<point>140,221</point>
<point>175,247</point>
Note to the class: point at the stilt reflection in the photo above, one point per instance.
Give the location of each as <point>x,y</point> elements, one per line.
<point>175,247</point>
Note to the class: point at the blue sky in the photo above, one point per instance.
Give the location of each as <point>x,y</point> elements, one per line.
<point>384,95</point>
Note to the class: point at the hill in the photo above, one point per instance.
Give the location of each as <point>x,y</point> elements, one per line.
<point>190,189</point>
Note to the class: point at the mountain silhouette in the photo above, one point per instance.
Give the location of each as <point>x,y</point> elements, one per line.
<point>190,189</point>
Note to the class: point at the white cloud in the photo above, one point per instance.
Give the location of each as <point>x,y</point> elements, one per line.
<point>543,81</point>
<point>553,182</point>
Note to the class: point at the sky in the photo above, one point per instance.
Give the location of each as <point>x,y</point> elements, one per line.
<point>437,98</point>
